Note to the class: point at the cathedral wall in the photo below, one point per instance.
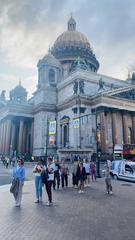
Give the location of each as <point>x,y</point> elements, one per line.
<point>85,135</point>
<point>39,97</point>
<point>88,129</point>
<point>65,93</point>
<point>45,96</point>
<point>41,133</point>
<point>69,113</point>
<point>129,120</point>
<point>119,128</point>
<point>108,127</point>
<point>50,96</point>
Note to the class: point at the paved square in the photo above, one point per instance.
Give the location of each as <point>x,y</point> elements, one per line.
<point>93,215</point>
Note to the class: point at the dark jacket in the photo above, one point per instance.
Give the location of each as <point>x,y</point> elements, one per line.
<point>79,175</point>
<point>15,187</point>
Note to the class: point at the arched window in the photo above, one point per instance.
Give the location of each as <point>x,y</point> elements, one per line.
<point>52,77</point>
<point>129,135</point>
<point>64,133</point>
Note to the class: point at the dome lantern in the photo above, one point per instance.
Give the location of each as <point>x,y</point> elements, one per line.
<point>71,24</point>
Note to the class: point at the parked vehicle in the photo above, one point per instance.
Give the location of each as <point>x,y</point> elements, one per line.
<point>124,151</point>
<point>123,169</point>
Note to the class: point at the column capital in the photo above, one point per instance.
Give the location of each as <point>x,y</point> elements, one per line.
<point>124,112</point>
<point>133,114</point>
<point>114,110</point>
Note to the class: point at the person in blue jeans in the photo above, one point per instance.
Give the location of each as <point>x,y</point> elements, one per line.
<point>19,173</point>
<point>38,181</point>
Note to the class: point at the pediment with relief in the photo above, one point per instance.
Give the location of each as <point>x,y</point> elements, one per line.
<point>124,93</point>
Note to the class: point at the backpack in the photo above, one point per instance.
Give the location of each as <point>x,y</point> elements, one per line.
<point>44,176</point>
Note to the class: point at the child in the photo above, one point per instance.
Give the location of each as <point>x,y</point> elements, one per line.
<point>93,170</point>
<point>106,172</point>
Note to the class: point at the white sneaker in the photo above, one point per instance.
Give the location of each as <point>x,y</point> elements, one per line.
<point>49,204</point>
<point>79,191</point>
<point>111,192</point>
<point>17,205</point>
<point>82,191</point>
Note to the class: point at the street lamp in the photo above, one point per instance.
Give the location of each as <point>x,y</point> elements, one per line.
<point>98,153</point>
<point>46,142</point>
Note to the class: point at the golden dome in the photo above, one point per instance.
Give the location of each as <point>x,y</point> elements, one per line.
<point>72,38</point>
<point>72,44</point>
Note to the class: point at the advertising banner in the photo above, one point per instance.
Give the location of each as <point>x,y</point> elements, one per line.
<point>52,127</point>
<point>76,123</point>
<point>51,139</point>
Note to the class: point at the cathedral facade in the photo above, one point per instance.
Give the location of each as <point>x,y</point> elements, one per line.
<point>74,111</point>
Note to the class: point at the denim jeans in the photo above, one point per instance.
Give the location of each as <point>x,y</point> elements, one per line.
<point>38,186</point>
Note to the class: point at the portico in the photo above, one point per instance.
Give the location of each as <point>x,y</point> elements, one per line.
<point>16,135</point>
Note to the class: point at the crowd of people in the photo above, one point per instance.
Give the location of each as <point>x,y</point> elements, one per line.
<point>54,176</point>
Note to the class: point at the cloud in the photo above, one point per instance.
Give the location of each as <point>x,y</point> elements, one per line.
<point>9,82</point>
<point>28,28</point>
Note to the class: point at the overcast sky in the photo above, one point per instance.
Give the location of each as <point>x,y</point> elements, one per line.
<point>29,27</point>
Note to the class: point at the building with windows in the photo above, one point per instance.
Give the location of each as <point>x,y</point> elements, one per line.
<point>87,111</point>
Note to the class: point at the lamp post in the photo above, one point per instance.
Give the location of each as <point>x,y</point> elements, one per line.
<point>98,154</point>
<point>79,112</point>
<point>46,142</point>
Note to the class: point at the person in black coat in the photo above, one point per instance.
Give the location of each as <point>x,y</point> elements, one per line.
<point>81,176</point>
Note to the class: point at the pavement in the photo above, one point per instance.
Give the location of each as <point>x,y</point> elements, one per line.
<point>6,173</point>
<point>93,215</point>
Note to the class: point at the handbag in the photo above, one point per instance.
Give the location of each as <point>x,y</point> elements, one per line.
<point>44,176</point>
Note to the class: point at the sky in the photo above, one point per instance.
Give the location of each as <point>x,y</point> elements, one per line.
<point>29,27</point>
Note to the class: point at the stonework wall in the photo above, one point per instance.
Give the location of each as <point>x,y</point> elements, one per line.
<point>109,144</point>
<point>129,120</point>
<point>39,97</point>
<point>47,95</point>
<point>119,128</point>
<point>40,124</point>
<point>41,131</point>
<point>70,114</point>
<point>65,93</point>
<point>85,135</point>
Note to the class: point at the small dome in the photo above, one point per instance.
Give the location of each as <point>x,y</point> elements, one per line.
<point>18,94</point>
